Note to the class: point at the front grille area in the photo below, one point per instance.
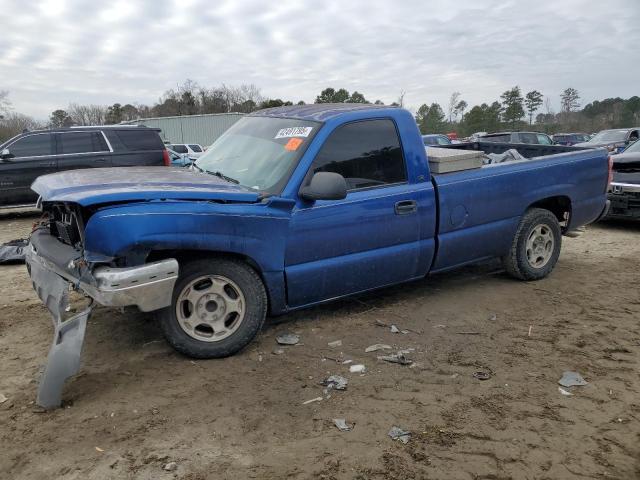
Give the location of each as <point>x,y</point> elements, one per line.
<point>65,223</point>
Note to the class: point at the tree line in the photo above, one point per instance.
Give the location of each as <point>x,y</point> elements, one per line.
<point>512,111</point>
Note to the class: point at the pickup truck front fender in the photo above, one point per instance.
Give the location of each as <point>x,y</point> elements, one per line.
<point>256,231</point>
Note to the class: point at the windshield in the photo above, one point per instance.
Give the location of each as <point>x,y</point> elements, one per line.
<point>609,136</point>
<point>259,152</point>
<point>634,147</point>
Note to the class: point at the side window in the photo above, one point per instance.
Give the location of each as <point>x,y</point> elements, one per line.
<point>543,139</point>
<point>31,146</point>
<point>140,139</point>
<point>633,136</point>
<point>179,148</point>
<point>81,142</point>
<point>195,148</point>
<point>366,154</point>
<point>529,138</point>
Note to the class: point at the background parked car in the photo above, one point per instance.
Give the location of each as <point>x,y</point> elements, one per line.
<point>570,138</point>
<point>436,139</point>
<point>624,191</point>
<point>194,150</point>
<point>616,140</point>
<point>517,137</point>
<point>25,157</point>
<point>180,159</point>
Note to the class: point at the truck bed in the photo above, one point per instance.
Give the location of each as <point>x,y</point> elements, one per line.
<point>528,150</point>
<point>480,208</point>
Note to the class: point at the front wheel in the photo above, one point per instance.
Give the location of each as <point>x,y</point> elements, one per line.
<point>218,307</point>
<point>536,246</point>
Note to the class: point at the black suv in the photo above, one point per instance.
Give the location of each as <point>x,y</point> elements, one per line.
<point>33,153</point>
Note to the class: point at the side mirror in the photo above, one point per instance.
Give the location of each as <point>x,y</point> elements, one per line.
<point>325,186</point>
<point>5,154</point>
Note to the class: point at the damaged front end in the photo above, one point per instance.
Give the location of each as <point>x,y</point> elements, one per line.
<point>56,263</point>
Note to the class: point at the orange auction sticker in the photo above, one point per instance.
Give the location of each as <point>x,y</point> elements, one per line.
<point>293,144</point>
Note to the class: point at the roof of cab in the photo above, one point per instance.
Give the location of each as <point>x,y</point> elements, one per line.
<point>318,112</point>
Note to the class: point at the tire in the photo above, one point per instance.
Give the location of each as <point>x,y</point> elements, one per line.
<point>218,306</point>
<point>530,256</point>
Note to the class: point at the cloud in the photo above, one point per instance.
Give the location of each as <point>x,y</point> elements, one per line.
<point>122,51</point>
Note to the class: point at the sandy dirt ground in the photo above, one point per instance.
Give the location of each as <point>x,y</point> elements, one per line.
<point>137,405</point>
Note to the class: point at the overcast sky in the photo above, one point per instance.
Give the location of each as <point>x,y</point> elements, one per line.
<point>55,52</point>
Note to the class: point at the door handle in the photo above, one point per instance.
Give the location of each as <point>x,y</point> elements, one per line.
<point>101,160</point>
<point>406,207</point>
<point>47,164</point>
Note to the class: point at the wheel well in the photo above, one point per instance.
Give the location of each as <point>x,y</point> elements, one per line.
<point>560,206</point>
<point>188,255</point>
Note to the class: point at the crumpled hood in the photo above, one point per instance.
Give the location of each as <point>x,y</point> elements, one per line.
<point>94,186</point>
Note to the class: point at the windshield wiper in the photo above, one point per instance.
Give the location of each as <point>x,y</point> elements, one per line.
<point>218,174</point>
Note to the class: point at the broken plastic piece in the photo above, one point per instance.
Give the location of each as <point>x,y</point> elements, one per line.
<point>342,425</point>
<point>336,343</point>
<point>288,339</point>
<point>564,392</point>
<point>571,379</point>
<point>13,251</point>
<point>481,375</point>
<point>359,368</point>
<point>396,433</point>
<point>336,382</point>
<point>396,358</point>
<point>377,346</point>
<point>317,399</point>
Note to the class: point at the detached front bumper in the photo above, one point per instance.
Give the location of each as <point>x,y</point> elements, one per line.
<point>54,267</point>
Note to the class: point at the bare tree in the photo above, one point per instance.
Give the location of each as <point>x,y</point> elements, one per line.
<point>5,104</point>
<point>401,98</point>
<point>87,114</point>
<point>14,123</point>
<point>453,101</point>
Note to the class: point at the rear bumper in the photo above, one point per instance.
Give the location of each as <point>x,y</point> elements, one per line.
<point>149,286</point>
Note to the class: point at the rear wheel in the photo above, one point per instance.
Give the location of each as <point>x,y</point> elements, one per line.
<point>219,306</point>
<point>536,246</point>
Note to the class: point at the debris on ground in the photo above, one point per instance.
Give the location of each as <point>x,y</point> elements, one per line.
<point>396,358</point>
<point>572,379</point>
<point>170,467</point>
<point>482,375</point>
<point>493,317</point>
<point>335,382</point>
<point>377,346</point>
<point>342,425</point>
<point>564,392</point>
<point>288,339</point>
<point>395,329</point>
<point>98,449</point>
<point>468,333</point>
<point>13,251</point>
<point>317,399</point>
<point>396,433</point>
<point>358,368</point>
<point>3,398</point>
<point>278,351</point>
<point>346,362</point>
<point>336,343</point>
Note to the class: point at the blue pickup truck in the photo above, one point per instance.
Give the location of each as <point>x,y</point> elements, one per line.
<point>291,207</point>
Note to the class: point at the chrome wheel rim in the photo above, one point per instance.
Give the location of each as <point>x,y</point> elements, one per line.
<point>210,308</point>
<point>540,245</point>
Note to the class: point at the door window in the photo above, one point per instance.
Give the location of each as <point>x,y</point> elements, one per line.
<point>180,148</point>
<point>543,139</point>
<point>196,148</point>
<point>82,142</point>
<point>31,146</point>
<point>367,154</point>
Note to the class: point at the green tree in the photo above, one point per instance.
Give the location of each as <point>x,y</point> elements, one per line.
<point>493,116</point>
<point>330,95</point>
<point>114,114</point>
<point>431,119</point>
<point>512,101</point>
<point>60,118</point>
<point>460,108</point>
<point>532,101</point>
<point>569,100</point>
<point>357,97</point>
<point>274,102</point>
<point>474,120</point>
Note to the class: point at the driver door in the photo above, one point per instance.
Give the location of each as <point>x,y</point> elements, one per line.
<point>370,238</point>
